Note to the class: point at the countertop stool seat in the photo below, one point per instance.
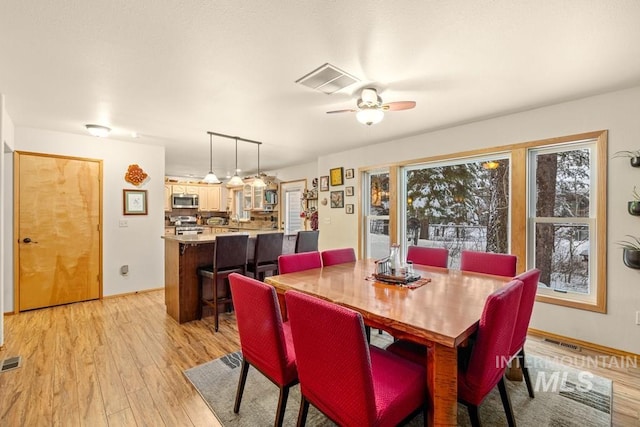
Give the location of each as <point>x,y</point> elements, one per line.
<point>229,256</point>
<point>265,258</point>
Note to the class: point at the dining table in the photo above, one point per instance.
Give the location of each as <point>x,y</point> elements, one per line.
<point>442,312</point>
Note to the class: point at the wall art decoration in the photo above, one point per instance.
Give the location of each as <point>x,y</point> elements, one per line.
<point>337,199</point>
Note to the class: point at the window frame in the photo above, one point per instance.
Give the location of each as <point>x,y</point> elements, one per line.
<point>519,207</point>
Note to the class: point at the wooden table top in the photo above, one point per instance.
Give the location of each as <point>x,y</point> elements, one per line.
<point>445,311</point>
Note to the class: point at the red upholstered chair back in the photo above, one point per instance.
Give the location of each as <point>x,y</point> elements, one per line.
<point>338,256</point>
<point>530,287</point>
<point>334,364</point>
<point>291,263</point>
<point>260,328</point>
<point>490,354</point>
<point>488,263</point>
<point>435,257</point>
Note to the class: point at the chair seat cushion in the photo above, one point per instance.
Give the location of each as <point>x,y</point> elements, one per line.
<point>409,350</point>
<point>399,386</point>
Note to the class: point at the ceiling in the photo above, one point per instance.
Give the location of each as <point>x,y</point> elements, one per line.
<point>173,70</point>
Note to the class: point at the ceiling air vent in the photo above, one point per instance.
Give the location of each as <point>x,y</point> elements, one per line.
<point>327,79</point>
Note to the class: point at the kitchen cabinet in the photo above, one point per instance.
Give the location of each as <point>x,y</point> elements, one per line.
<point>179,189</point>
<point>170,231</point>
<point>167,196</point>
<point>252,198</point>
<point>210,198</point>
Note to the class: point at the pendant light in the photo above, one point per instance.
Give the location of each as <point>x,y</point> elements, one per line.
<point>211,177</point>
<point>235,180</point>
<point>258,182</point>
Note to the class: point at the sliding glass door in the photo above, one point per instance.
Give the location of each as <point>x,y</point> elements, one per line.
<point>376,203</point>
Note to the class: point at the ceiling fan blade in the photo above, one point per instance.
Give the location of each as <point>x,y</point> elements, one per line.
<point>399,105</point>
<point>342,111</point>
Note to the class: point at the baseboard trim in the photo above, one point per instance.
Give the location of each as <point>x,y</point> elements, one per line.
<point>144,291</point>
<point>584,344</point>
<point>9,313</point>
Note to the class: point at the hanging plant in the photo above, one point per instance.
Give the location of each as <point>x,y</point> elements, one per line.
<point>634,157</point>
<point>631,252</point>
<point>634,205</point>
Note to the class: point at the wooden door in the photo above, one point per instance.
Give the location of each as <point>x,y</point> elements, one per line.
<point>58,230</point>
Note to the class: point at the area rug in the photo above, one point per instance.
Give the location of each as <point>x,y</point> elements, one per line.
<point>564,397</point>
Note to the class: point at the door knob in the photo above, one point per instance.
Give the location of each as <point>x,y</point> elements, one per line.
<point>28,240</point>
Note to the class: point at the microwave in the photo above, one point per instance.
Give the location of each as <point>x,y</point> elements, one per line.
<point>189,201</point>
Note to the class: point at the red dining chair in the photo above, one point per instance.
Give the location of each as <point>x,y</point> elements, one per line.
<point>350,382</point>
<point>265,340</point>
<point>488,356</point>
<point>488,263</point>
<point>290,263</point>
<point>338,256</point>
<point>482,365</point>
<point>435,257</point>
<point>530,287</point>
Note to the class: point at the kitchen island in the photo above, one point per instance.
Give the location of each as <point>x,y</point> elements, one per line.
<point>183,255</point>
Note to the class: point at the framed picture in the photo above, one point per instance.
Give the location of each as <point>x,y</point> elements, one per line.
<point>324,183</point>
<point>337,199</point>
<point>336,176</point>
<point>348,191</point>
<point>348,174</point>
<point>135,202</point>
<point>349,209</point>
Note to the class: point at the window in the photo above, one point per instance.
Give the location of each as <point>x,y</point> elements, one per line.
<point>292,200</point>
<point>543,201</point>
<point>562,219</point>
<point>238,206</point>
<point>460,204</point>
<point>376,213</point>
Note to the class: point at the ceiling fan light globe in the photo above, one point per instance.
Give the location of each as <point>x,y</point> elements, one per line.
<point>370,116</point>
<point>211,178</point>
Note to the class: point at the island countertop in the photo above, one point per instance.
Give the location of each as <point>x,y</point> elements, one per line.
<point>195,239</point>
<point>184,254</point>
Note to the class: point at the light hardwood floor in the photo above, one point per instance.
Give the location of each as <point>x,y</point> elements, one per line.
<point>119,362</point>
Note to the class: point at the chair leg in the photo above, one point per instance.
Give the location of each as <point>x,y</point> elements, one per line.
<point>241,383</point>
<point>525,372</point>
<point>504,395</point>
<point>215,302</point>
<point>302,414</point>
<point>282,405</point>
<point>473,415</point>
<point>367,331</point>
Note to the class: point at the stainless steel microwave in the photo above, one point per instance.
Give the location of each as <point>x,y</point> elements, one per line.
<point>189,201</point>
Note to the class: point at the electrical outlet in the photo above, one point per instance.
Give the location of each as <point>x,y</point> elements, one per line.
<point>637,317</point>
<point>123,223</point>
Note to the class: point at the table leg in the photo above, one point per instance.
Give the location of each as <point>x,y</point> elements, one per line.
<point>442,384</point>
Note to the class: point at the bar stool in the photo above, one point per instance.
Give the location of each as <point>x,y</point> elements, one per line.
<point>265,258</point>
<point>229,256</point>
<point>307,241</point>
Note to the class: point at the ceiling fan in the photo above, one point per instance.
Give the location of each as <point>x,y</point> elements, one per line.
<point>371,109</point>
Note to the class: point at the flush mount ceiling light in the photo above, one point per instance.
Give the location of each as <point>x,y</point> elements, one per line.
<point>235,180</point>
<point>211,177</point>
<point>97,130</point>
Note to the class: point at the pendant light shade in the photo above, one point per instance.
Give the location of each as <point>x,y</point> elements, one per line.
<point>258,182</point>
<point>235,180</point>
<point>211,177</point>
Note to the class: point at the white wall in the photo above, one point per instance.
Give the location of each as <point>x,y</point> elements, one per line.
<point>617,112</point>
<point>306,171</point>
<point>139,245</point>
